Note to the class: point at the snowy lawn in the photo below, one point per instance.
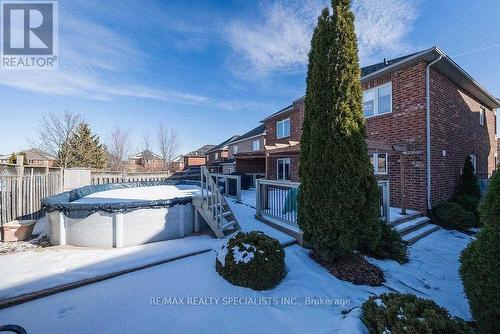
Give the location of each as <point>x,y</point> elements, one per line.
<point>135,303</point>
<point>188,296</point>
<point>44,268</point>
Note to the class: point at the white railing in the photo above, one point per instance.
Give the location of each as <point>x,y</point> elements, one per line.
<point>226,178</point>
<point>255,177</point>
<point>212,200</point>
<point>277,200</point>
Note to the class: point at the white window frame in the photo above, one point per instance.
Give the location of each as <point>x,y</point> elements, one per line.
<point>482,115</point>
<point>376,96</point>
<point>375,163</point>
<point>235,149</point>
<point>278,123</point>
<point>473,159</point>
<point>255,145</point>
<point>285,161</point>
<point>216,154</point>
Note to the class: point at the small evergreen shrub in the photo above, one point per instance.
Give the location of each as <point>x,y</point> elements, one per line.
<point>404,313</point>
<point>468,193</point>
<point>480,263</point>
<point>452,216</point>
<point>253,260</point>
<point>391,246</point>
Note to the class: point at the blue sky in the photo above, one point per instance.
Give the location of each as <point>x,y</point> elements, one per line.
<point>212,69</point>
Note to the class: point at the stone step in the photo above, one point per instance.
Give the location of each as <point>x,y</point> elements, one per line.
<point>407,218</point>
<point>412,225</point>
<point>420,233</point>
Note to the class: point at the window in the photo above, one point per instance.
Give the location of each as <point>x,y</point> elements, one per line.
<point>235,149</point>
<point>473,158</point>
<point>379,162</point>
<point>377,101</point>
<point>216,155</point>
<point>256,145</point>
<point>482,112</point>
<point>283,128</point>
<point>229,170</point>
<point>283,169</point>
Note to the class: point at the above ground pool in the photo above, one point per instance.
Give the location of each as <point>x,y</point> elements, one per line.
<point>120,215</point>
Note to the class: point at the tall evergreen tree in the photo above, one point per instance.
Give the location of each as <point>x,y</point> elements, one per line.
<point>338,199</point>
<point>83,149</point>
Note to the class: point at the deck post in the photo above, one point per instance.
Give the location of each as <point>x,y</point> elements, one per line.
<point>238,188</point>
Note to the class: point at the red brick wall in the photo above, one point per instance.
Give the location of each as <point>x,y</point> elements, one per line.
<point>296,119</point>
<point>455,129</point>
<point>405,125</point>
<point>272,166</point>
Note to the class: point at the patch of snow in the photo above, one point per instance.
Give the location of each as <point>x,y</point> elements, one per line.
<point>221,255</point>
<point>246,255</point>
<point>379,302</point>
<point>141,194</point>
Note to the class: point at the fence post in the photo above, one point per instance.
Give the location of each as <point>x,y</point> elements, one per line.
<point>19,185</point>
<point>257,199</point>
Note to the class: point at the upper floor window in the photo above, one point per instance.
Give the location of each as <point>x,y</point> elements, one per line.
<point>256,145</point>
<point>235,149</point>
<point>482,112</point>
<point>378,100</point>
<point>283,128</point>
<point>379,162</point>
<point>216,156</point>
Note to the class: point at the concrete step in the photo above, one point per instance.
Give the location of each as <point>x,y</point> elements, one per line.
<point>421,233</point>
<point>412,225</point>
<point>407,218</point>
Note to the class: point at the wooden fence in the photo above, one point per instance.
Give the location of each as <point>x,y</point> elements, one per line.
<point>23,187</point>
<point>104,177</point>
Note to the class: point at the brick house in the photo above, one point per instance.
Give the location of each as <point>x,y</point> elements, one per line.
<point>33,156</point>
<point>247,153</point>
<point>146,161</point>
<point>461,123</point>
<point>177,164</point>
<point>218,155</point>
<point>197,157</point>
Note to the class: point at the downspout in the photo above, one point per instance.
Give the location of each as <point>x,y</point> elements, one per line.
<point>428,128</point>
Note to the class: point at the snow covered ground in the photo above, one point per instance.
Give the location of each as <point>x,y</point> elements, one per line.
<point>188,296</point>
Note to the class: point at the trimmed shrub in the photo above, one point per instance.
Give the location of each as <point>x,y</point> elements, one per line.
<point>480,263</point>
<point>405,313</point>
<point>391,246</point>
<point>451,216</point>
<point>253,260</point>
<point>468,203</point>
<point>468,193</point>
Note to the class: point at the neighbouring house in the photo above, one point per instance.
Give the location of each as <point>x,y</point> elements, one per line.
<point>219,155</point>
<point>146,161</point>
<point>197,157</point>
<point>177,164</point>
<point>247,153</point>
<point>398,96</point>
<point>34,156</point>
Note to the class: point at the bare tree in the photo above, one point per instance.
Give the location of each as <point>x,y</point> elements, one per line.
<point>168,143</point>
<point>119,148</point>
<point>146,141</point>
<point>54,131</point>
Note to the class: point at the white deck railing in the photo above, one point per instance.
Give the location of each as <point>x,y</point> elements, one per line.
<point>225,178</point>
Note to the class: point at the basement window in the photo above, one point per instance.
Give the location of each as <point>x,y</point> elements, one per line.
<point>378,100</point>
<point>379,162</point>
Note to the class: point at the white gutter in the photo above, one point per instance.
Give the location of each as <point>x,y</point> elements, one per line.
<point>428,127</point>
